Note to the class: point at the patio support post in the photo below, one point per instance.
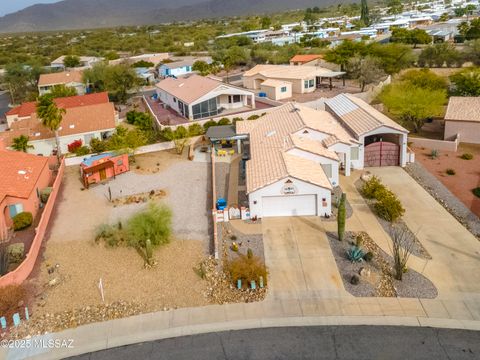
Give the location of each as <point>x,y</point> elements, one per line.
<point>347,163</point>
<point>343,80</point>
<point>239,146</point>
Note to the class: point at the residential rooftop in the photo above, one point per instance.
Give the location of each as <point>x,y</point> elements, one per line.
<point>463,108</point>
<point>62,77</point>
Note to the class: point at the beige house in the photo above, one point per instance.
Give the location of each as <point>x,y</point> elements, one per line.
<point>197,97</point>
<point>463,119</point>
<point>68,78</point>
<point>304,79</point>
<point>313,60</point>
<point>276,89</point>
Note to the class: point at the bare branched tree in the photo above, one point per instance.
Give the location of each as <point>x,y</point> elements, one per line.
<point>402,246</point>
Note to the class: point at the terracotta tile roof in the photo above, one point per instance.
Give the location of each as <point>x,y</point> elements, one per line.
<point>63,77</point>
<point>290,71</point>
<point>358,116</point>
<point>272,135</point>
<point>189,89</point>
<point>19,173</point>
<point>463,109</point>
<point>92,114</point>
<point>305,58</point>
<point>28,108</point>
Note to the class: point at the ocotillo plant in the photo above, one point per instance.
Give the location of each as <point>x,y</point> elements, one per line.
<point>341,217</point>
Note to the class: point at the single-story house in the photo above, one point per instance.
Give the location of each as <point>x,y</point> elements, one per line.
<point>155,59</point>
<point>146,75</point>
<point>86,117</point>
<point>197,97</point>
<point>304,79</point>
<point>305,59</point>
<point>98,168</point>
<point>463,119</point>
<point>181,67</point>
<point>296,154</point>
<point>85,62</point>
<point>276,89</point>
<point>383,141</point>
<point>22,178</point>
<point>71,79</point>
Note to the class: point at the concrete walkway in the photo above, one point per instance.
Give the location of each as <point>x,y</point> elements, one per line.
<point>306,288</point>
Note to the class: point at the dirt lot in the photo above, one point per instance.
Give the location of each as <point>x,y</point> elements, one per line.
<point>467,172</point>
<point>81,262</point>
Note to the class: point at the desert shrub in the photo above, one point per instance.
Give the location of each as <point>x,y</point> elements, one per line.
<point>354,280</point>
<point>98,146</point>
<point>355,254</point>
<point>368,256</point>
<point>253,117</point>
<point>45,194</point>
<point>209,124</point>
<point>22,220</point>
<point>195,130</point>
<point>434,153</point>
<point>112,235</point>
<point>181,132</point>
<point>12,298</point>
<point>249,253</point>
<point>389,207</point>
<point>82,150</point>
<point>371,187</point>
<point>16,253</point>
<point>224,121</point>
<point>476,192</point>
<point>467,156</point>
<point>247,269</point>
<point>450,171</point>
<point>235,119</point>
<point>154,223</point>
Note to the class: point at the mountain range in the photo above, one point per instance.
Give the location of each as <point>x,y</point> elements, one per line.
<point>87,14</point>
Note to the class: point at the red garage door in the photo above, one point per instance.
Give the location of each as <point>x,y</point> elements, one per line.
<point>382,153</point>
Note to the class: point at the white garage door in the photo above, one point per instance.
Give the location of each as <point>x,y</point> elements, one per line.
<point>294,205</point>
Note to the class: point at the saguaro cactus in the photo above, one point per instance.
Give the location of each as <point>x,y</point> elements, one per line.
<point>341,217</point>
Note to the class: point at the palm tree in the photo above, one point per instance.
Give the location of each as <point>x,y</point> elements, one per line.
<point>21,143</point>
<point>51,116</point>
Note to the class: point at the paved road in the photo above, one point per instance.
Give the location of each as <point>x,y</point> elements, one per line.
<point>346,342</point>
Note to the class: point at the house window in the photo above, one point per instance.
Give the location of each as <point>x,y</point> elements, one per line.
<point>354,153</point>
<point>15,209</point>
<point>327,169</point>
<point>174,100</point>
<point>311,83</point>
<point>234,99</point>
<point>306,84</point>
<point>205,109</point>
<point>283,89</point>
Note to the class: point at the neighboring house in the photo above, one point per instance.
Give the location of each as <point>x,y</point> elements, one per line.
<point>68,78</point>
<point>155,59</point>
<point>146,74</point>
<point>303,79</point>
<point>22,178</point>
<point>197,97</point>
<point>297,153</point>
<point>307,59</point>
<point>87,117</point>
<point>181,67</point>
<point>463,119</point>
<point>276,89</point>
<point>85,62</point>
<point>98,168</point>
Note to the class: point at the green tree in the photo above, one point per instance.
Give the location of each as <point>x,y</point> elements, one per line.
<point>202,67</point>
<point>365,13</point>
<point>472,51</point>
<point>392,57</point>
<point>342,53</point>
<point>60,91</point>
<point>413,104</point>
<point>438,55</point>
<point>266,22</point>
<point>143,64</point>
<point>124,140</point>
<point>21,143</point>
<point>365,70</point>
<point>425,79</point>
<point>51,117</point>
<point>71,61</point>
<point>17,78</point>
<point>466,82</point>
<point>395,7</point>
<point>414,37</point>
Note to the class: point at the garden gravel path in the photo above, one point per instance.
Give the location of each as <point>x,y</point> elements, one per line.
<point>448,200</point>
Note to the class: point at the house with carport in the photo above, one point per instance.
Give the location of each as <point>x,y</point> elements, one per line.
<point>296,154</point>
<point>196,97</point>
<point>72,79</point>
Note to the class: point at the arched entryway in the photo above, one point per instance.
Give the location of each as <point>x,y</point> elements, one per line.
<point>382,150</point>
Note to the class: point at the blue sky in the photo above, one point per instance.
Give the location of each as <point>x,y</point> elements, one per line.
<point>9,6</point>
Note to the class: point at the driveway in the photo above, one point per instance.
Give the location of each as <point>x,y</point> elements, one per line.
<point>299,259</point>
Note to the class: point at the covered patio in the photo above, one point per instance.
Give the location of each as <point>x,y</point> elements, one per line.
<point>224,138</point>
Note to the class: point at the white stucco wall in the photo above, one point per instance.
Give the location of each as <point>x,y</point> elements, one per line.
<point>303,188</point>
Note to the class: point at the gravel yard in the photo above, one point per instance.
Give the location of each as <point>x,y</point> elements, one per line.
<point>445,197</point>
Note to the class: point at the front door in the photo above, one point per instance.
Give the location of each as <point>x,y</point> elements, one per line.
<point>103,174</point>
